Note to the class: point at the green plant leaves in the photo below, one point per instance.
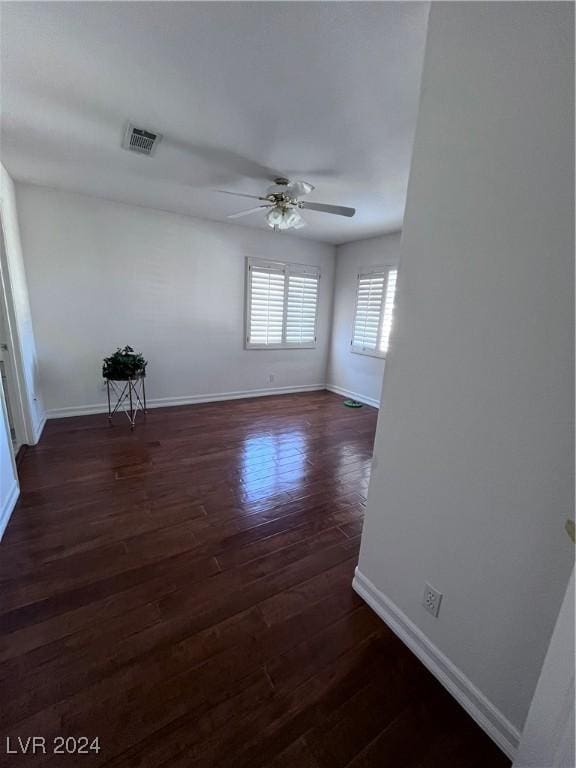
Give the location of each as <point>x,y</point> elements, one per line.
<point>124,364</point>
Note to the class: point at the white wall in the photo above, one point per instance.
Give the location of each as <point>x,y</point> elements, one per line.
<point>548,736</point>
<point>349,373</point>
<point>29,410</point>
<point>474,450</point>
<point>104,274</point>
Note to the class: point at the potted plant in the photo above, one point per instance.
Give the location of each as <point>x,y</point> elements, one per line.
<point>124,364</point>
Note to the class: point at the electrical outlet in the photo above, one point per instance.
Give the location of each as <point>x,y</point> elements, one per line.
<point>271,378</point>
<point>431,599</point>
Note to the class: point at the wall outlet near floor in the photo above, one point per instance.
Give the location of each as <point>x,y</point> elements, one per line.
<point>431,599</point>
<point>271,378</point>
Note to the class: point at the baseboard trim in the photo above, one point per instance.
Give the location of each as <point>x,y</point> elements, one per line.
<point>8,507</point>
<point>39,429</point>
<point>488,717</point>
<point>167,402</point>
<point>354,395</point>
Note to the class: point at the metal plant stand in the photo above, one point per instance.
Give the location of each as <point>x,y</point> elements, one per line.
<point>131,391</point>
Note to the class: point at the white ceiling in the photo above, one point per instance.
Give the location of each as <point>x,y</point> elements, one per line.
<point>326,92</point>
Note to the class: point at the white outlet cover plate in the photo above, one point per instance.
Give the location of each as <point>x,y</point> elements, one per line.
<point>431,599</point>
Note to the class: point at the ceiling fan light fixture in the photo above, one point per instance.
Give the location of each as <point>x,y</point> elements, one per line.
<point>284,218</point>
<point>274,218</point>
<point>300,223</point>
<point>293,219</point>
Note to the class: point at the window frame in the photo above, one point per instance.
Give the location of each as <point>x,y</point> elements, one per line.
<point>288,269</point>
<point>384,270</point>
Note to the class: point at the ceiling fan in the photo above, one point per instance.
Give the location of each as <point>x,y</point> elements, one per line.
<point>283,206</point>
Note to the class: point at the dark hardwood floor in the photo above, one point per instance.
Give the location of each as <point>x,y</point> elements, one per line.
<point>183,593</point>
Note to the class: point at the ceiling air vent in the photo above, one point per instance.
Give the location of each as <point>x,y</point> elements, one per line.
<point>140,140</point>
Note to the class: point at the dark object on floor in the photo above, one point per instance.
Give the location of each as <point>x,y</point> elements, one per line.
<point>352,403</point>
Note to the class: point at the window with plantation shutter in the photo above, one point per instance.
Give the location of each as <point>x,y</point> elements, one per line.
<point>374,307</point>
<point>281,305</point>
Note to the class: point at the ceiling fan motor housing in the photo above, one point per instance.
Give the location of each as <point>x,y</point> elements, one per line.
<point>277,193</point>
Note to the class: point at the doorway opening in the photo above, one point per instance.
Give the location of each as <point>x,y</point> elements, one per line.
<point>9,376</point>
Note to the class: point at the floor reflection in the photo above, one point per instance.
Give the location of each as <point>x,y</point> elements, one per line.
<point>272,463</point>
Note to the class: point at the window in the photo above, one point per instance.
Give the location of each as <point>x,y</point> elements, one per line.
<point>281,305</point>
<point>374,308</point>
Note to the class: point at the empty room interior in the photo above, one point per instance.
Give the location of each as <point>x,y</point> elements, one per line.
<point>287,400</point>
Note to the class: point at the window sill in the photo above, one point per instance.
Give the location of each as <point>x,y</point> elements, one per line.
<point>368,352</point>
<point>279,346</point>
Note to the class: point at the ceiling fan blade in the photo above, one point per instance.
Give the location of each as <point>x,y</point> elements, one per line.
<point>246,213</point>
<point>339,210</point>
<point>225,160</point>
<point>240,194</point>
<point>299,188</point>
